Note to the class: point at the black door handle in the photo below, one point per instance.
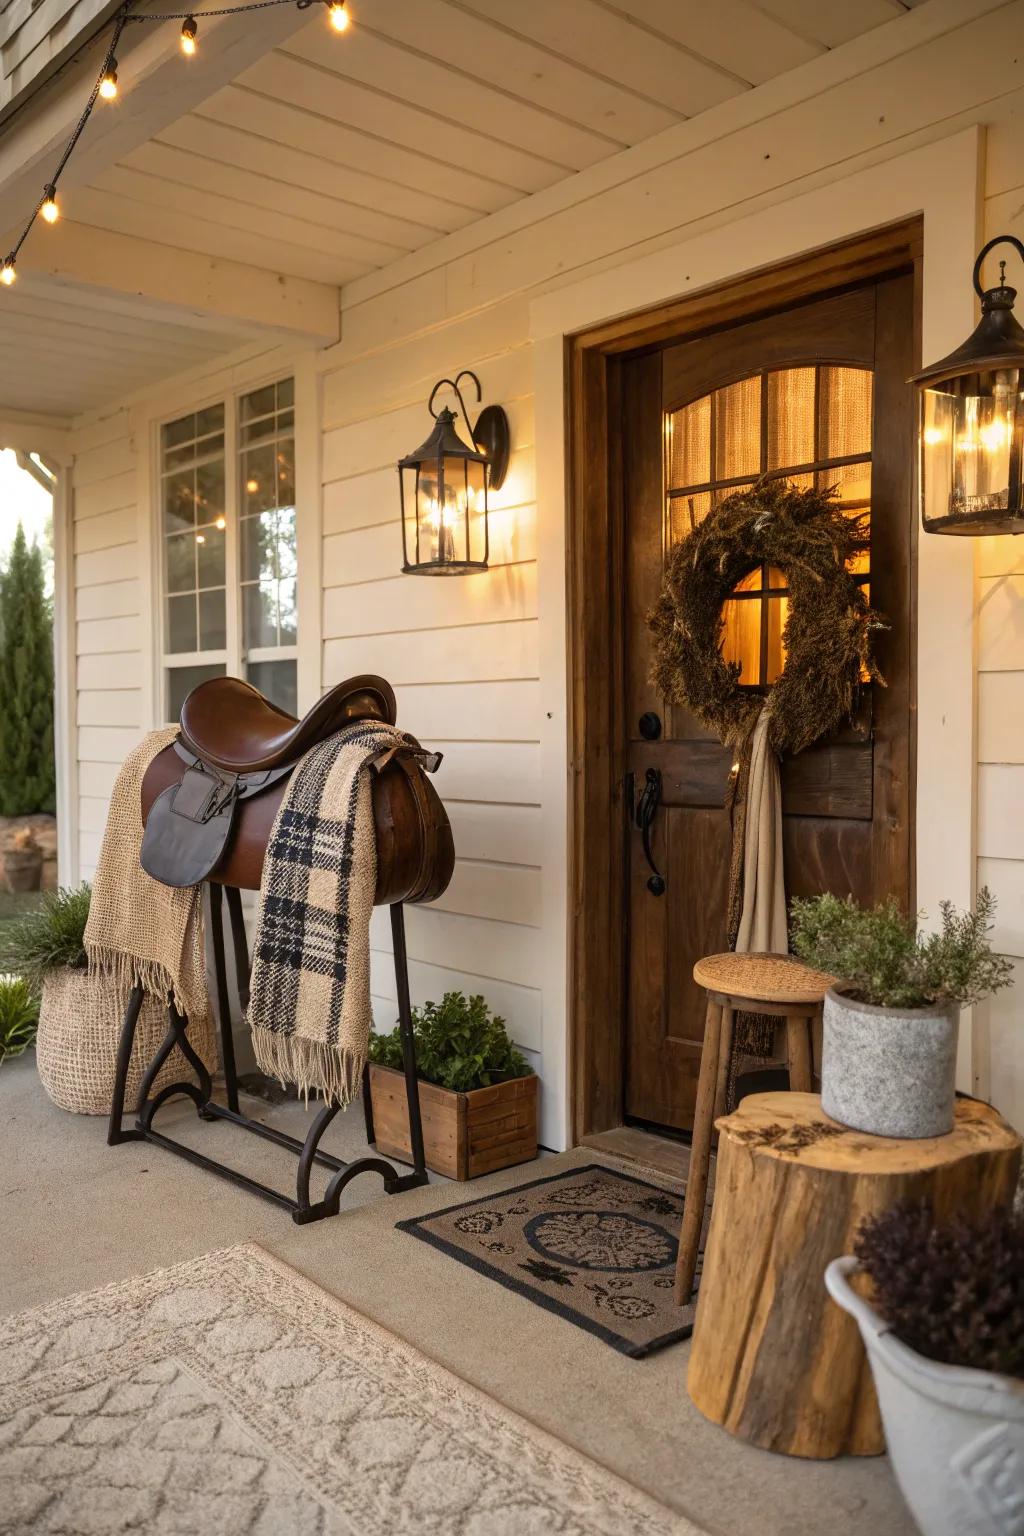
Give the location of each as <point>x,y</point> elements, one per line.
<point>644,815</point>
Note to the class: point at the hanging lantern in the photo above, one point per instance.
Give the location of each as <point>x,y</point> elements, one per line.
<point>971,431</point>
<point>444,486</point>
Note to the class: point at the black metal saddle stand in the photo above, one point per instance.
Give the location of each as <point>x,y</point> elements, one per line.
<point>201,1092</point>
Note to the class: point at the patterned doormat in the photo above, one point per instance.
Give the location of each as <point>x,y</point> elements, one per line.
<point>596,1246</point>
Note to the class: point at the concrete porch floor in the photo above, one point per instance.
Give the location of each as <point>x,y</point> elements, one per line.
<point>76,1214</point>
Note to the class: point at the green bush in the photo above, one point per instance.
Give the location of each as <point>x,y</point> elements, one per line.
<point>879,956</point>
<point>19,1016</point>
<point>27,772</point>
<point>460,1045</point>
<point>48,937</point>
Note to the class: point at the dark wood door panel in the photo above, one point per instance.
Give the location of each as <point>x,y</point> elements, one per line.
<point>667,1016</point>
<point>846,801</point>
<point>835,779</point>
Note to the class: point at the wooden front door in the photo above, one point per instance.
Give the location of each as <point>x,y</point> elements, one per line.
<point>818,393</point>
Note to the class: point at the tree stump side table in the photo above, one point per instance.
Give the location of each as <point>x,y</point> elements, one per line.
<point>773,1359</point>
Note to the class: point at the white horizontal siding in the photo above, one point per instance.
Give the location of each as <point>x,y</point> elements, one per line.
<point>110,706</point>
<point>462,655</point>
<point>466,653</point>
<point>1001,716</point>
<point>1001,1019</point>
<point>1000,661</point>
<point>1005,879</point>
<point>403,602</point>
<point>111,629</point>
<point>520,1007</point>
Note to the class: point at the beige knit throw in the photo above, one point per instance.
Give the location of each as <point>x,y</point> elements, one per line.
<point>139,930</point>
<point>309,1007</point>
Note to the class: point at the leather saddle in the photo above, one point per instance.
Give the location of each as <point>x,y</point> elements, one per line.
<point>209,800</point>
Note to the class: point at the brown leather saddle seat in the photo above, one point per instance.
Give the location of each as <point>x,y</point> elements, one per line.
<point>210,799</point>
<point>230,725</point>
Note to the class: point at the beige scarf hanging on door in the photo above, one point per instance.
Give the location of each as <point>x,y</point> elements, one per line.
<point>757,889</point>
<point>762,926</point>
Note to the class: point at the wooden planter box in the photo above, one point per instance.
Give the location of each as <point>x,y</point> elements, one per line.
<point>464,1134</point>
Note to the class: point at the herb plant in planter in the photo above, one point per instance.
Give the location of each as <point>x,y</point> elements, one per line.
<point>80,1015</point>
<point>892,1019</point>
<point>478,1094</point>
<point>945,1337</point>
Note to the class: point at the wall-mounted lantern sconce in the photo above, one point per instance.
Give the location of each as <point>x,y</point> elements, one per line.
<point>444,486</point>
<point>971,426</point>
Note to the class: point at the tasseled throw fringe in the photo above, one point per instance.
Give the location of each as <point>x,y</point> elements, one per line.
<point>334,1072</point>
<point>127,971</point>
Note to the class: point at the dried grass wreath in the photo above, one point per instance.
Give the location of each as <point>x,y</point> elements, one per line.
<point>826,639</point>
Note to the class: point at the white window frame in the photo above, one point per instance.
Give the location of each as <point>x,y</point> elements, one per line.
<point>233,656</point>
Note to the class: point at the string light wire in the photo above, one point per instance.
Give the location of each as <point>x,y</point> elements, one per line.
<point>108,74</point>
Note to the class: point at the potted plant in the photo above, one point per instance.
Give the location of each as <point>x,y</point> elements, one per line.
<point>891,1020</point>
<point>19,1015</point>
<point>80,1014</point>
<point>478,1094</point>
<point>23,862</point>
<point>945,1338</point>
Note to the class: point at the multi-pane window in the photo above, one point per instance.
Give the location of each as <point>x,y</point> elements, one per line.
<point>267,523</point>
<point>811,425</point>
<point>227,491</point>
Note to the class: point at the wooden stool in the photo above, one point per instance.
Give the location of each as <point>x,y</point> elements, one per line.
<point>774,1360</point>
<point>772,984</point>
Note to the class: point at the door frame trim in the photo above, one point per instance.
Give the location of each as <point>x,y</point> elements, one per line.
<point>594,543</point>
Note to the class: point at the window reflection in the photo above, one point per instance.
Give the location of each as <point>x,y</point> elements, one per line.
<point>200,580</point>
<point>267,502</point>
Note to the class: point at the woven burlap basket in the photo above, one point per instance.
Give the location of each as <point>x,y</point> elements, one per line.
<point>76,1045</point>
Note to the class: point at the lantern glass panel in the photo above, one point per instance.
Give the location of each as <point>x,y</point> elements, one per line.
<point>445,506</point>
<point>971,448</point>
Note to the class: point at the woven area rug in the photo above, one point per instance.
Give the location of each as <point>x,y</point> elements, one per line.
<point>229,1394</point>
<point>596,1246</point>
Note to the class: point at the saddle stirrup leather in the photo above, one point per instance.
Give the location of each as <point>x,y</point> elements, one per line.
<point>209,801</point>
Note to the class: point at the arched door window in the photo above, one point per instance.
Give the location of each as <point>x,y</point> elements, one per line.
<point>811,425</point>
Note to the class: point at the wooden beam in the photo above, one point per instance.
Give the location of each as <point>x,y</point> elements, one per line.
<point>181,286</point>
<point>27,432</point>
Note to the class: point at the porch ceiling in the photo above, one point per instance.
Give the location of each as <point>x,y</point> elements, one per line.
<point>341,155</point>
<point>329,158</point>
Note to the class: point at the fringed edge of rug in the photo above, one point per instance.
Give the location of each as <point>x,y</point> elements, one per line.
<point>335,1072</point>
<point>128,971</point>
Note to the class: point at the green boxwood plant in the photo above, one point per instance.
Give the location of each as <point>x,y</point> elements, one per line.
<point>460,1044</point>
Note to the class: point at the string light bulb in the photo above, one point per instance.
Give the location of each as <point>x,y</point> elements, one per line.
<point>340,18</point>
<point>189,32</point>
<point>7,272</point>
<point>108,85</point>
<point>48,208</point>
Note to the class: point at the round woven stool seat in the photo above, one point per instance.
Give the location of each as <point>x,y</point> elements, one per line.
<point>776,985</point>
<point>760,978</point>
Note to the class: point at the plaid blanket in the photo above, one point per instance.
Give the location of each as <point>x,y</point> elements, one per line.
<point>309,1007</point>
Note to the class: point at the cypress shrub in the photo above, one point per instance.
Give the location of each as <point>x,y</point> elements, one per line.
<point>27,773</point>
